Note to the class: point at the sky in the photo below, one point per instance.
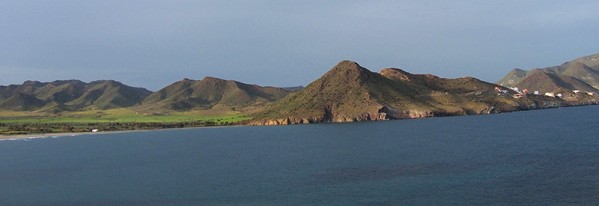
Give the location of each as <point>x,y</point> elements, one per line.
<point>152,44</point>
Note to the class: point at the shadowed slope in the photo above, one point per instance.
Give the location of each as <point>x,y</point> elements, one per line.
<point>71,95</point>
<point>540,80</point>
<point>20,101</point>
<point>209,92</point>
<point>591,61</point>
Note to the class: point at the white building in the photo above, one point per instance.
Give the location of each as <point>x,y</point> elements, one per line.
<point>549,94</point>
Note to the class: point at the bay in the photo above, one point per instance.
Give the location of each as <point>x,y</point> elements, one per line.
<point>536,157</point>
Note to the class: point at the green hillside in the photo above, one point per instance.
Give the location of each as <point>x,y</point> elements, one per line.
<point>20,101</point>
<point>66,95</point>
<point>211,92</point>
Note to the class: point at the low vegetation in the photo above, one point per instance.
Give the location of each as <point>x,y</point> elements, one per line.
<point>12,122</point>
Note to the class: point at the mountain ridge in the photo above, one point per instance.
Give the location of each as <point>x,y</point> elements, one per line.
<point>349,92</point>
<point>71,94</point>
<point>579,74</point>
<point>189,94</point>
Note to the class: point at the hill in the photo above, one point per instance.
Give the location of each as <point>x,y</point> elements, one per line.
<point>349,92</point>
<point>20,101</point>
<point>212,92</point>
<point>107,94</point>
<point>579,74</point>
<point>63,95</point>
<point>544,81</point>
<point>591,61</point>
<point>74,95</point>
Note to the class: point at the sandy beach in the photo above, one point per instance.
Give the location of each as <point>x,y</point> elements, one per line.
<point>45,135</point>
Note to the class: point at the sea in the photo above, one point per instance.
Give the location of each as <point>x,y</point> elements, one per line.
<point>539,157</point>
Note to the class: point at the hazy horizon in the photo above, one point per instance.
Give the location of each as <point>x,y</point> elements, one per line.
<point>151,44</point>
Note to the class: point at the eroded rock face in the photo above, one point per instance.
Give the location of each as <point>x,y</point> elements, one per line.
<point>364,117</point>
<point>405,114</point>
<point>417,114</point>
<point>286,121</point>
<point>338,118</point>
<point>490,110</point>
<point>320,119</point>
<point>330,115</point>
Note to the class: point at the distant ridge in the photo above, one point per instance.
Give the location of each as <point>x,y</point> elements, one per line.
<point>579,74</point>
<point>62,95</point>
<point>591,61</point>
<point>349,92</point>
<point>184,95</point>
<point>20,101</point>
<point>293,89</point>
<point>209,92</point>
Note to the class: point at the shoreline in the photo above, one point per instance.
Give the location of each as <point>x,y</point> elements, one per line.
<point>61,134</point>
<point>66,134</point>
<point>71,134</point>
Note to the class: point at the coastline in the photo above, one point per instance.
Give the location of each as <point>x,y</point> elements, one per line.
<point>72,134</point>
<point>63,134</point>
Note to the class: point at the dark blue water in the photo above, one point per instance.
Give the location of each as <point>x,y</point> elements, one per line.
<point>543,157</point>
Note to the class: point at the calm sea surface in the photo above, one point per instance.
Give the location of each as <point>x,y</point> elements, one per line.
<point>543,157</point>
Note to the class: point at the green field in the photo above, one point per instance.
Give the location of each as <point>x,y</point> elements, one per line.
<point>108,120</point>
<point>116,115</point>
